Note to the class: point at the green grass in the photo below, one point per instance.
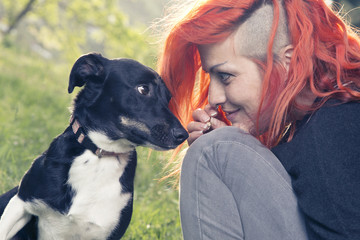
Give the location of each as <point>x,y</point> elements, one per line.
<point>34,109</point>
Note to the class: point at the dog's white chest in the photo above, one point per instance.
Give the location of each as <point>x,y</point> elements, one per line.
<point>98,197</point>
<point>97,203</point>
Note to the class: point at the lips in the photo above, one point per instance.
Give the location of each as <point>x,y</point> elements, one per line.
<point>230,114</point>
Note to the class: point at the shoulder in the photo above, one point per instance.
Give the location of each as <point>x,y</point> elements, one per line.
<point>332,135</point>
<point>333,121</point>
<point>336,114</point>
<point>328,140</point>
<point>332,124</point>
<point>335,126</point>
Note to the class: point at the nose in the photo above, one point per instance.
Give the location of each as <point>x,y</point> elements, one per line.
<point>217,94</point>
<point>180,135</point>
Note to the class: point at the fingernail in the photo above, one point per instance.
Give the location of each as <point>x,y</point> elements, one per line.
<point>214,114</point>
<point>213,121</point>
<point>207,125</point>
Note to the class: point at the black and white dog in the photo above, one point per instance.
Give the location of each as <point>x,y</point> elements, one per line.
<point>82,186</point>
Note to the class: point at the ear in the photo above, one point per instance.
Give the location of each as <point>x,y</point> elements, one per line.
<point>87,69</point>
<point>285,55</point>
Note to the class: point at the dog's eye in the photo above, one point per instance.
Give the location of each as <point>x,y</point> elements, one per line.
<point>143,89</point>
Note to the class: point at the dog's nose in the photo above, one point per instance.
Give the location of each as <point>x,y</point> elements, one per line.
<point>180,135</point>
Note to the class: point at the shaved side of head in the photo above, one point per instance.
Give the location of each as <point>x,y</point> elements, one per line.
<point>252,36</point>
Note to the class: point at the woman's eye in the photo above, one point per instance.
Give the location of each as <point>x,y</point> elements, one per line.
<point>223,77</point>
<point>143,89</point>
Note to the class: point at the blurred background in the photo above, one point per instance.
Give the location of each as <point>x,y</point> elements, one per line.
<point>39,42</point>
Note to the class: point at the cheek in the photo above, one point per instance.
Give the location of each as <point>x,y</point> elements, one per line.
<point>244,94</point>
<point>236,95</point>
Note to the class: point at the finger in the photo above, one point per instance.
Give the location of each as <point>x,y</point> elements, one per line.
<point>216,123</point>
<point>200,115</point>
<point>211,111</point>
<point>193,136</point>
<point>198,126</point>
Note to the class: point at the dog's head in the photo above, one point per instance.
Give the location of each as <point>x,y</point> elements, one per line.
<point>123,102</point>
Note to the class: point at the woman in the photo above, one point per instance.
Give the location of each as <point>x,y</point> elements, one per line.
<point>286,75</point>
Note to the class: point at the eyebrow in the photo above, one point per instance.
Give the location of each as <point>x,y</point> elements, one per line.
<point>216,65</point>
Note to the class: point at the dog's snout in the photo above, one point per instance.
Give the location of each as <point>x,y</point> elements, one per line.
<point>180,135</point>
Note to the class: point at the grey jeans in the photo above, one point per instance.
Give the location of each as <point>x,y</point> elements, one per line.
<point>232,187</point>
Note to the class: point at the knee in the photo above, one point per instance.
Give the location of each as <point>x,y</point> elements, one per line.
<point>216,147</point>
<point>229,149</point>
<point>225,147</point>
<point>225,135</point>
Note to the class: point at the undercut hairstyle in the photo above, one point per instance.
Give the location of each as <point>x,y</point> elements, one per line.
<point>253,34</point>
<point>325,59</point>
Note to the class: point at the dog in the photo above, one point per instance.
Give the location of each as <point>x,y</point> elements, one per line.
<point>81,187</point>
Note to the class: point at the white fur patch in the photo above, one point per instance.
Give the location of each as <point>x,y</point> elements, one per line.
<point>119,146</point>
<point>53,225</point>
<point>13,219</point>
<point>97,203</point>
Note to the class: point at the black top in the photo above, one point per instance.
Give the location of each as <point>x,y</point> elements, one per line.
<point>323,160</point>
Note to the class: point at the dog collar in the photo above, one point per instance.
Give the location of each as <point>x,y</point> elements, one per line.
<point>84,140</point>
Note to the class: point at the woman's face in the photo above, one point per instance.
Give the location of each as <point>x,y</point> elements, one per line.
<point>235,84</point>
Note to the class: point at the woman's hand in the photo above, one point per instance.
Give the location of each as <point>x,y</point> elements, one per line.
<point>204,121</point>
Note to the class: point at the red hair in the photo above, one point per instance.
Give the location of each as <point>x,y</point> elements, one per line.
<point>326,58</point>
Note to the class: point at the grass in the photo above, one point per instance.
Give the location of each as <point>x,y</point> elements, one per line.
<point>34,109</point>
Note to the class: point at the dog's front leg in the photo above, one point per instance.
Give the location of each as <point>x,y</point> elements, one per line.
<point>13,219</point>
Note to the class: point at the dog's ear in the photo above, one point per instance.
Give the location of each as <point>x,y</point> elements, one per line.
<point>87,69</point>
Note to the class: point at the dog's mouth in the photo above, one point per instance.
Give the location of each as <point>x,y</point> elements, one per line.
<point>168,137</point>
<point>163,135</point>
<point>160,137</point>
